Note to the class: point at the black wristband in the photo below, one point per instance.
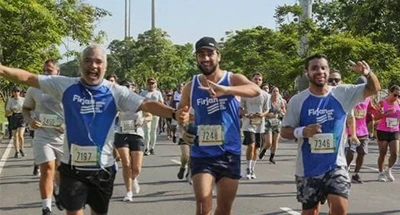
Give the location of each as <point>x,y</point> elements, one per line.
<point>174,114</point>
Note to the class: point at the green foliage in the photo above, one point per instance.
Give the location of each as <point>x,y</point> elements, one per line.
<point>32,30</point>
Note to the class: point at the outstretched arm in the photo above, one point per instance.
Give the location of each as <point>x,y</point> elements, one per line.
<point>19,76</point>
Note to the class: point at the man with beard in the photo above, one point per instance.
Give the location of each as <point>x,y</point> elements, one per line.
<point>215,153</point>
<point>317,117</point>
<point>88,169</point>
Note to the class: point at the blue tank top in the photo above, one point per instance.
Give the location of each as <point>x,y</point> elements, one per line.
<point>223,111</point>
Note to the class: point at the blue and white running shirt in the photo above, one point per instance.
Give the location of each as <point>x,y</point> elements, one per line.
<point>218,112</point>
<point>330,111</point>
<point>90,112</point>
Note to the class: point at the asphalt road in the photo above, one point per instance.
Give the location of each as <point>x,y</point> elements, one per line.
<point>273,192</point>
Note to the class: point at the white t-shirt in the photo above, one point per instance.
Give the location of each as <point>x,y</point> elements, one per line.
<point>255,105</point>
<point>128,123</point>
<point>15,105</point>
<point>50,112</point>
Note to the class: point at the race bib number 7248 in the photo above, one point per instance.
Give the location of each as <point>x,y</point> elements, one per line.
<point>210,135</point>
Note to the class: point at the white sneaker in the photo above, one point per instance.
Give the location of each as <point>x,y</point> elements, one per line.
<point>248,173</point>
<point>389,175</point>
<point>382,177</point>
<point>128,198</point>
<point>136,187</point>
<point>253,175</point>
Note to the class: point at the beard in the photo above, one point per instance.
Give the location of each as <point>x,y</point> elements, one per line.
<point>318,84</point>
<point>205,71</point>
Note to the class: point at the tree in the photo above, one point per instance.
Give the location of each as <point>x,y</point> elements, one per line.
<point>32,30</point>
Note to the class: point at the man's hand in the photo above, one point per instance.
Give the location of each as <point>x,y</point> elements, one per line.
<point>61,128</point>
<point>182,115</point>
<point>311,130</point>
<point>35,124</point>
<point>139,122</point>
<point>361,67</point>
<point>354,139</point>
<point>259,114</point>
<point>214,89</point>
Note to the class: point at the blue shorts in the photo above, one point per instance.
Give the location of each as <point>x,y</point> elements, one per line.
<point>225,165</point>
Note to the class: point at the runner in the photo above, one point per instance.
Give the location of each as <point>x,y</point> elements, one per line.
<point>359,143</point>
<point>48,140</point>
<point>215,154</point>
<point>388,132</point>
<point>254,110</point>
<point>14,108</point>
<point>90,107</point>
<point>130,144</point>
<point>317,117</point>
<point>277,109</point>
<point>150,127</point>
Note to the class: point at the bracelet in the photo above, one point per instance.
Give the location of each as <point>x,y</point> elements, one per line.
<point>368,75</point>
<point>298,132</point>
<point>174,114</point>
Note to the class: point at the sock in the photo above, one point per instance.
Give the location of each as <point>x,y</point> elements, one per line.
<point>253,165</point>
<point>271,157</point>
<point>46,203</point>
<point>249,163</point>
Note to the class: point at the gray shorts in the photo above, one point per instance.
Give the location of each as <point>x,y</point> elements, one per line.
<point>45,152</point>
<point>313,190</point>
<point>362,148</point>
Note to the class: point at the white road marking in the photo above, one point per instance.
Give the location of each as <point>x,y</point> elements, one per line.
<point>5,155</point>
<point>289,211</point>
<point>175,161</point>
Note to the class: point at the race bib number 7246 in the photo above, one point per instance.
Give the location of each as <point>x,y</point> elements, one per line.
<point>322,143</point>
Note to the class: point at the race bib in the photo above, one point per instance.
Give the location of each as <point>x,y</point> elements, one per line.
<point>256,121</point>
<point>274,122</point>
<point>322,143</point>
<point>128,126</point>
<point>359,114</point>
<point>50,120</point>
<point>392,122</point>
<point>84,155</point>
<point>210,135</point>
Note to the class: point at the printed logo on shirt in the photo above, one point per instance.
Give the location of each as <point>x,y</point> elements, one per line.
<point>89,105</point>
<point>213,104</point>
<point>322,115</point>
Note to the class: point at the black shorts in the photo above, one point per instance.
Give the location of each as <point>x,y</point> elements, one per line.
<point>251,137</point>
<point>226,165</point>
<point>132,141</point>
<point>387,136</point>
<point>17,121</point>
<point>78,188</point>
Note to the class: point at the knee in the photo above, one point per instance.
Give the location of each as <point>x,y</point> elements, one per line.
<point>135,170</point>
<point>204,205</point>
<point>126,164</point>
<point>338,209</point>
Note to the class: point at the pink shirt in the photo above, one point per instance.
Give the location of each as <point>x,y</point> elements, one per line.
<point>360,114</point>
<point>389,123</point>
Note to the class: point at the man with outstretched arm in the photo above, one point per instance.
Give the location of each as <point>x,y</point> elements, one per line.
<point>317,117</point>
<point>87,170</point>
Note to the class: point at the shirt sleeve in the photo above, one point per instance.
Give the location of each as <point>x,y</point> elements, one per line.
<point>29,101</point>
<point>349,95</point>
<point>126,99</point>
<point>55,85</point>
<point>292,117</point>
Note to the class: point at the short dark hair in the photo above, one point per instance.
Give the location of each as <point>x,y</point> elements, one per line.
<point>315,56</point>
<point>53,61</point>
<point>393,88</point>
<point>108,77</point>
<point>257,73</point>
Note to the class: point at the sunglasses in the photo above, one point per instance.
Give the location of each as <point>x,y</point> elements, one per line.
<point>331,80</point>
<point>396,95</point>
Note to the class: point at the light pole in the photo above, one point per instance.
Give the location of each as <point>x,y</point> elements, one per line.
<point>127,18</point>
<point>153,14</point>
<point>301,81</point>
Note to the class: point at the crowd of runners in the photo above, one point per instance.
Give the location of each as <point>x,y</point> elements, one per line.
<point>84,125</point>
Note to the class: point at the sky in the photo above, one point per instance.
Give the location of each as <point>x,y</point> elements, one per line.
<point>185,21</point>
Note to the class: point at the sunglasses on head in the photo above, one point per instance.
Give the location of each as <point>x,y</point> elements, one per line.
<point>331,80</point>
